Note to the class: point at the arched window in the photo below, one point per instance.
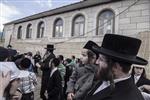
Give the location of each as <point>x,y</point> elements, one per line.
<point>58,28</point>
<point>19,34</point>
<point>29,31</point>
<point>78,26</point>
<point>40,30</point>
<point>106,22</point>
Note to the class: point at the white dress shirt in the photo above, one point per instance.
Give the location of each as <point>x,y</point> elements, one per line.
<point>53,70</point>
<point>105,84</point>
<point>136,78</point>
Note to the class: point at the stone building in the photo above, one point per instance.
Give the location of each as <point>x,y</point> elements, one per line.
<point>69,27</point>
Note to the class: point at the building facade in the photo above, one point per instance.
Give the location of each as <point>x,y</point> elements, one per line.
<point>70,27</point>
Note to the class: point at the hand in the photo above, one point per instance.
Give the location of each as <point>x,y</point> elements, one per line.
<point>146,87</point>
<point>70,96</point>
<point>38,65</point>
<point>4,81</point>
<point>141,88</point>
<point>17,96</point>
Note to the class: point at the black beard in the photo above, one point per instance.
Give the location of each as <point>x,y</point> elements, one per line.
<point>105,74</point>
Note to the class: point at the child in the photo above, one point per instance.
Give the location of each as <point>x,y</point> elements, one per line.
<point>83,76</point>
<point>28,80</point>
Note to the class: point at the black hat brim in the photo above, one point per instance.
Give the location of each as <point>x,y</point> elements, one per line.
<point>120,57</point>
<point>50,48</point>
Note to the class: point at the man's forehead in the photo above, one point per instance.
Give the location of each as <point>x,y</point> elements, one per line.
<point>102,56</point>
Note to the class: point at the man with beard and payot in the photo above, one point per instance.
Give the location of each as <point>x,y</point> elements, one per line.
<point>116,55</point>
<point>44,66</point>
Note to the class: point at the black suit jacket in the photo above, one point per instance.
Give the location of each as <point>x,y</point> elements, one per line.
<point>143,81</point>
<point>46,70</point>
<point>124,90</point>
<point>54,86</point>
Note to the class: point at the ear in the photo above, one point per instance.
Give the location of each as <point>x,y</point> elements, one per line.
<point>116,67</point>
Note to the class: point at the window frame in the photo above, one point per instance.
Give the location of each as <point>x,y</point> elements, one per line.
<point>98,21</point>
<point>59,33</point>
<point>19,33</point>
<point>80,23</point>
<point>29,31</point>
<point>41,26</point>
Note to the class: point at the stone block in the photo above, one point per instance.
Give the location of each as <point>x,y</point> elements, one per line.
<point>143,25</point>
<point>134,14</point>
<point>128,26</point>
<point>143,1</point>
<point>127,3</point>
<point>145,12</point>
<point>140,19</point>
<point>124,21</point>
<point>139,7</point>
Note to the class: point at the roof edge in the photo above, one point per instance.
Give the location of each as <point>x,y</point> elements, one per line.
<point>63,9</point>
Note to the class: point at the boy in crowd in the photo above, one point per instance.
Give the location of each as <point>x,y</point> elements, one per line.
<point>55,81</point>
<point>28,80</point>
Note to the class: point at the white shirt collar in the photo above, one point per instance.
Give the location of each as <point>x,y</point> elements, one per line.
<point>136,78</point>
<point>53,70</point>
<point>121,79</point>
<point>105,84</point>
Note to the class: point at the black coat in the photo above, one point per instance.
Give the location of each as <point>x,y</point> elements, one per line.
<point>46,69</point>
<point>45,73</point>
<point>124,90</point>
<point>142,81</point>
<point>54,86</point>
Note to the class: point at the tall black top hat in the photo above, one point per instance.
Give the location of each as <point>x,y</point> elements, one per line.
<point>121,48</point>
<point>50,47</point>
<point>89,45</point>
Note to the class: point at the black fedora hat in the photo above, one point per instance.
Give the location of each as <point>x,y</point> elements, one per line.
<point>89,45</point>
<point>12,52</point>
<point>4,53</point>
<point>50,47</point>
<point>121,48</point>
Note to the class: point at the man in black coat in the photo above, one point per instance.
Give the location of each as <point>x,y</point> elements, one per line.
<point>55,81</point>
<point>139,77</point>
<point>46,69</point>
<point>116,55</point>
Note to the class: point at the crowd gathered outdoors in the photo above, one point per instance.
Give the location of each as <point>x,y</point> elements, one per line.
<point>112,71</point>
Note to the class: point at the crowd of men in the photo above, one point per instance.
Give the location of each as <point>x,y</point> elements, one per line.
<point>102,72</point>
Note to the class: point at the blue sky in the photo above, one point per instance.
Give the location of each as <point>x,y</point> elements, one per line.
<point>15,9</point>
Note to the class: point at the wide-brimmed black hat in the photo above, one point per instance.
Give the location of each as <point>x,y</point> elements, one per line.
<point>89,45</point>
<point>12,52</point>
<point>50,47</point>
<point>121,48</point>
<point>4,53</point>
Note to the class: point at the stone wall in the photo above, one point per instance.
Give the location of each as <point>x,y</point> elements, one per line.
<point>145,48</point>
<point>134,20</point>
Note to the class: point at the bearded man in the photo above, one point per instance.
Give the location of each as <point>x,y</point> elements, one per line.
<point>116,55</point>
